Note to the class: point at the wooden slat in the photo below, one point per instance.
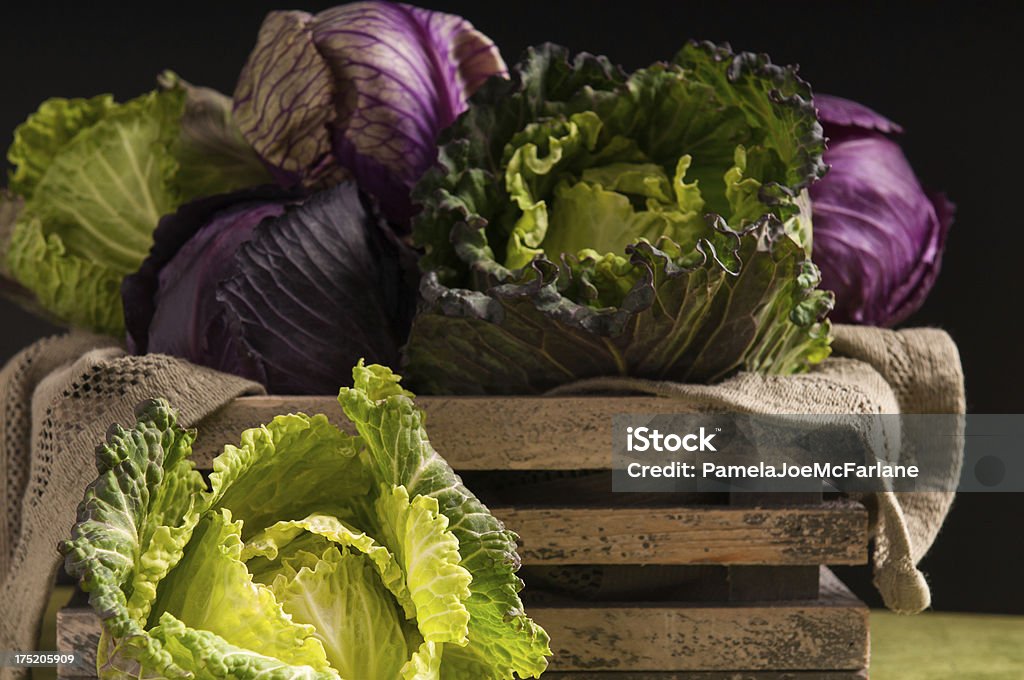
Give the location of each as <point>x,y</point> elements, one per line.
<point>835,532</point>
<point>701,675</point>
<point>830,633</point>
<point>78,632</point>
<point>770,583</point>
<point>524,433</point>
<point>826,634</point>
<point>762,498</point>
<point>561,584</point>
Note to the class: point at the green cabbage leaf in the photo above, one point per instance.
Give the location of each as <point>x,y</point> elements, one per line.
<point>96,176</point>
<point>309,553</point>
<point>586,222</point>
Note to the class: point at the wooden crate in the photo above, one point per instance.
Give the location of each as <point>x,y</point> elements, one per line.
<point>629,586</point>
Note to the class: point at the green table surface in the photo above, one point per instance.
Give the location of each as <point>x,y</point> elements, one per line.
<point>929,646</point>
<point>936,645</point>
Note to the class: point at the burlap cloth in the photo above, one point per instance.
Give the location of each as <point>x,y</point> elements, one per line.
<point>58,397</point>
<point>872,371</point>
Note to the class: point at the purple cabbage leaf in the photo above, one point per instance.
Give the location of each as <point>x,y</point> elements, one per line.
<point>360,90</point>
<point>878,235</point>
<point>291,294</point>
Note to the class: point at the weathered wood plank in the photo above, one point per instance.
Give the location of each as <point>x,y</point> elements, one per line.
<point>830,533</point>
<point>701,675</point>
<point>525,433</point>
<point>762,498</point>
<point>78,634</point>
<point>770,583</point>
<point>580,488</point>
<point>829,633</point>
<point>572,584</point>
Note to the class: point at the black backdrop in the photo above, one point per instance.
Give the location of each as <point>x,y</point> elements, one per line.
<point>950,74</point>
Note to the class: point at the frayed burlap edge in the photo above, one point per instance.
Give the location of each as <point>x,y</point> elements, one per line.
<point>57,399</point>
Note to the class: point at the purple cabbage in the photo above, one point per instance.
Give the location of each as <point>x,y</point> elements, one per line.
<point>291,293</point>
<point>878,236</point>
<point>361,91</point>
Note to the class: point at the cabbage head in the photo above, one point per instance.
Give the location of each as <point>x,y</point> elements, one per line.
<point>585,222</point>
<point>93,177</point>
<point>310,553</point>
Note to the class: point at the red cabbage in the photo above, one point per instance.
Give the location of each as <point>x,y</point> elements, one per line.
<point>878,236</point>
<point>361,91</point>
<point>286,293</point>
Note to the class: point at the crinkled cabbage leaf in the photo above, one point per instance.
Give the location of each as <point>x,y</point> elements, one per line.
<point>310,553</point>
<point>587,222</point>
<point>96,176</point>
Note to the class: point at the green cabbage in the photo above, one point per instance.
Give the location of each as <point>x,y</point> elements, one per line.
<point>312,553</point>
<point>586,222</point>
<point>96,176</point>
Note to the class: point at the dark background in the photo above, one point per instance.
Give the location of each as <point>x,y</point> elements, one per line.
<point>950,74</point>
